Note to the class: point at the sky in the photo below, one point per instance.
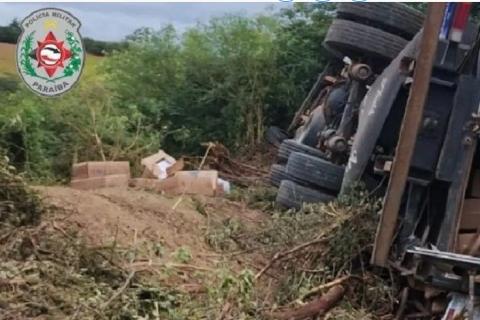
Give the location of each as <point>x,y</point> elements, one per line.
<point>113,21</point>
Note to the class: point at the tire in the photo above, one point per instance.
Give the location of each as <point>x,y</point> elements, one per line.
<point>278,173</point>
<point>292,195</point>
<point>275,136</point>
<point>392,17</point>
<point>316,171</point>
<point>290,146</point>
<point>355,39</point>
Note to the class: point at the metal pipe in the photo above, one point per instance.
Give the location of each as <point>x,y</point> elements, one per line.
<point>408,133</point>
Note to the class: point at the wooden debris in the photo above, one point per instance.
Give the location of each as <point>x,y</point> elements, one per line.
<point>231,169</point>
<point>317,308</point>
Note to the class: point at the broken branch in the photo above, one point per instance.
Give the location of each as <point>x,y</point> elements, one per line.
<point>281,255</point>
<point>317,308</point>
<point>319,288</point>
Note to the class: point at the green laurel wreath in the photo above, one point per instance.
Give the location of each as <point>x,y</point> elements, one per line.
<point>74,63</point>
<point>25,61</point>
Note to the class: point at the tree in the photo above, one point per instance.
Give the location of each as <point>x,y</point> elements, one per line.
<point>10,33</point>
<point>214,82</point>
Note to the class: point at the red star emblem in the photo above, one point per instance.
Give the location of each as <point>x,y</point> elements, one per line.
<point>50,54</point>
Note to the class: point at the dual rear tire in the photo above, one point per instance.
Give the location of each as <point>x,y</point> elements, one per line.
<point>372,30</point>
<point>304,176</point>
<point>308,178</point>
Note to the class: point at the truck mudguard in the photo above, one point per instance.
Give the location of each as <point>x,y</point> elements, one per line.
<point>374,111</point>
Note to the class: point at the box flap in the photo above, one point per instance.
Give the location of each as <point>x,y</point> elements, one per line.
<point>150,163</point>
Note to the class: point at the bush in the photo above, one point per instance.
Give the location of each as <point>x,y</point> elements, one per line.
<point>19,205</point>
<point>83,125</point>
<point>8,84</point>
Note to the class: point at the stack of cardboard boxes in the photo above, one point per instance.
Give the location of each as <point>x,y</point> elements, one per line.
<point>164,173</point>
<point>96,175</point>
<point>161,172</point>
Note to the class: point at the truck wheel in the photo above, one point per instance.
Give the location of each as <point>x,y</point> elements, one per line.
<point>278,173</point>
<point>290,146</point>
<point>292,195</point>
<point>392,17</point>
<point>358,40</point>
<point>315,171</point>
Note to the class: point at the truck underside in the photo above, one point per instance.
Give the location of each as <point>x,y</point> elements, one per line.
<point>350,128</point>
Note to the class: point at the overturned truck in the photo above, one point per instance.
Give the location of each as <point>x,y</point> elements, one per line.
<point>366,41</point>
<point>398,110</point>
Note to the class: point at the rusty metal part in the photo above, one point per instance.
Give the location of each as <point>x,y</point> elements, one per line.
<point>408,133</point>
<point>303,119</point>
<point>337,144</point>
<point>360,72</point>
<point>382,164</point>
<point>327,134</point>
<point>330,79</point>
<point>323,138</point>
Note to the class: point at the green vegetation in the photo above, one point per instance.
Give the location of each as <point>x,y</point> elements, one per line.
<point>225,80</point>
<point>50,271</point>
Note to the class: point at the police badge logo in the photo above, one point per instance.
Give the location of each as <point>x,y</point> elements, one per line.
<point>50,53</point>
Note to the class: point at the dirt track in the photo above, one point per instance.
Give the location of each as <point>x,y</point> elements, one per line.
<point>128,216</point>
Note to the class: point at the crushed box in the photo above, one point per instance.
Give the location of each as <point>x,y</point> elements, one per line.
<point>464,242</point>
<point>150,163</point>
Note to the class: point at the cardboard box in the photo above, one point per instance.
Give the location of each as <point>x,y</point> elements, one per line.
<point>147,174</point>
<point>470,219</point>
<point>188,182</point>
<point>87,170</point>
<point>150,163</point>
<point>176,167</point>
<point>465,241</point>
<point>197,182</point>
<point>111,181</point>
<point>156,184</point>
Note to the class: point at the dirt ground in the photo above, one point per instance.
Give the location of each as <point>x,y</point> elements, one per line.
<point>128,216</point>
